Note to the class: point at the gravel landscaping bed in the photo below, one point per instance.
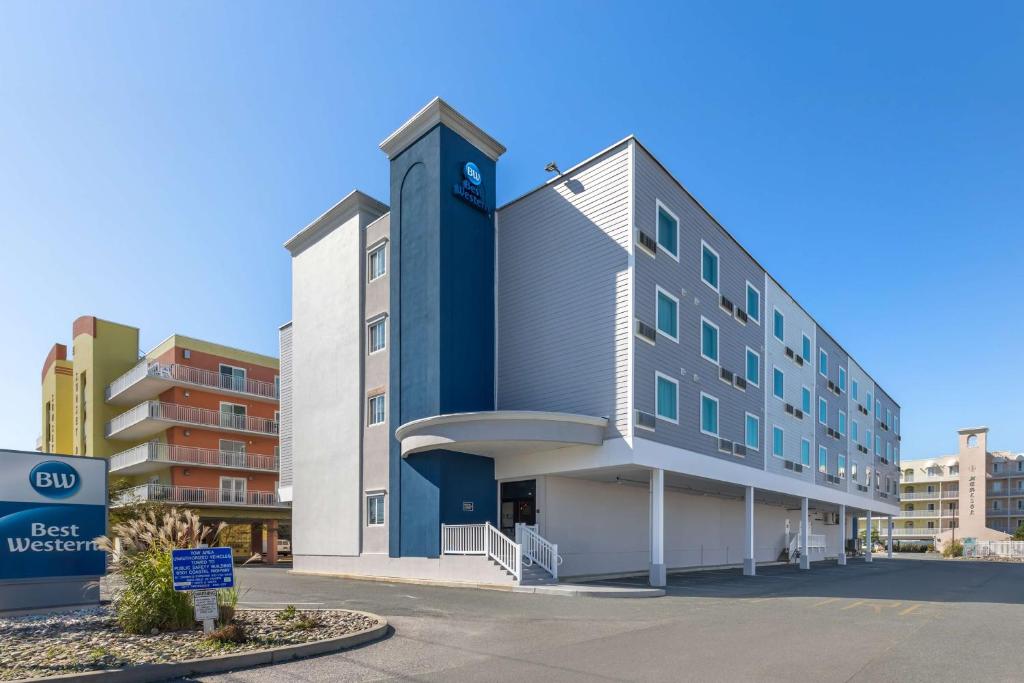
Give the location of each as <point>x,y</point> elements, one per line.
<point>89,639</point>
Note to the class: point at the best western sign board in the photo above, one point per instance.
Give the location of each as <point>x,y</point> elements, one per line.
<point>52,508</point>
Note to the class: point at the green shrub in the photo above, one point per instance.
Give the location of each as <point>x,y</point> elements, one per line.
<point>146,599</point>
<point>288,613</point>
<point>1018,535</point>
<point>953,548</point>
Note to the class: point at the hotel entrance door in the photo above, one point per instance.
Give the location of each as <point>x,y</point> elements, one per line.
<point>518,505</point>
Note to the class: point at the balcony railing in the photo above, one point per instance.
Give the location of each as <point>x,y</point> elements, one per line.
<point>920,495</point>
<point>897,532</point>
<point>919,513</point>
<point>201,417</point>
<point>187,455</point>
<point>186,374</point>
<point>190,495</point>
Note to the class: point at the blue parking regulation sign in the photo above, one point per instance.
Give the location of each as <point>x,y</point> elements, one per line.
<point>202,568</point>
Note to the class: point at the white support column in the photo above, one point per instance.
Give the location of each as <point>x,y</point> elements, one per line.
<point>805,557</point>
<point>749,565</point>
<point>657,568</point>
<point>867,537</point>
<point>842,535</point>
<point>889,548</point>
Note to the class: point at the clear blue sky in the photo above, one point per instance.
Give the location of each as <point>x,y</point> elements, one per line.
<point>153,158</point>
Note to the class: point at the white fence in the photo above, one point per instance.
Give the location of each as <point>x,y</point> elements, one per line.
<point>483,539</point>
<point>538,549</point>
<point>1014,549</point>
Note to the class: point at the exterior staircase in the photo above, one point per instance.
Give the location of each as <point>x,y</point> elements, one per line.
<point>528,560</point>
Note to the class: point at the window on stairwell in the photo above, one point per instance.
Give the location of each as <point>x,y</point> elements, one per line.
<point>375,509</point>
<point>376,335</point>
<point>375,410</point>
<point>377,262</point>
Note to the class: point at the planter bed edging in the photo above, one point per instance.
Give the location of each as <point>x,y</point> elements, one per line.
<point>145,673</point>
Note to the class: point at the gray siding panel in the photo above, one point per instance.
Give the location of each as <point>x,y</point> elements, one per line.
<point>285,399</point>
<point>864,461</point>
<point>837,359</point>
<point>563,316</point>
<point>682,360</point>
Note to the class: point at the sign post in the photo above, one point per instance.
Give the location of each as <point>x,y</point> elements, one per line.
<point>202,572</point>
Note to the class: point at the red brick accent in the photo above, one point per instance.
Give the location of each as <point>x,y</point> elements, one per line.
<point>58,352</point>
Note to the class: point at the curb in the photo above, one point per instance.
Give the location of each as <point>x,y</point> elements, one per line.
<point>145,673</point>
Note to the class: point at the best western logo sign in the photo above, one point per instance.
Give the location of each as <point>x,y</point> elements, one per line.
<point>55,479</point>
<point>469,190</point>
<point>52,509</point>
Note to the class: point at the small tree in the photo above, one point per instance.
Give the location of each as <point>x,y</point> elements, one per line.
<point>953,548</point>
<point>1018,535</point>
<point>144,595</point>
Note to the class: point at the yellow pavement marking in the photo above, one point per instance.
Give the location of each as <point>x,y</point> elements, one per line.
<point>827,602</point>
<point>855,604</point>
<point>909,610</point>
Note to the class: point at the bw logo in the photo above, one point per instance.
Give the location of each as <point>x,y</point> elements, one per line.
<point>55,479</point>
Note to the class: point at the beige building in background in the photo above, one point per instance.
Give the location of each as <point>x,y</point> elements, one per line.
<point>975,493</point>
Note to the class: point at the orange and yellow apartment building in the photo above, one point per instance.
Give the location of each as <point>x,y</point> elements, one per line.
<point>190,423</point>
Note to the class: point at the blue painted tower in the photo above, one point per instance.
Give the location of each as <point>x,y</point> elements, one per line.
<point>442,312</point>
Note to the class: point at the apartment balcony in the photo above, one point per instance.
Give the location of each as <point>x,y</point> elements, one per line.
<point>152,417</point>
<point>919,477</point>
<point>919,513</point>
<point>191,496</point>
<point>922,532</point>
<point>148,379</point>
<point>153,457</point>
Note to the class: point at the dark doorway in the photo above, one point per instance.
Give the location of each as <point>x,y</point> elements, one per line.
<point>518,504</point>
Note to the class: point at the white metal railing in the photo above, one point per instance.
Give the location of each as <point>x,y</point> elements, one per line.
<point>191,495</point>
<point>815,546</point>
<point>203,417</point>
<point>897,532</point>
<point>483,539</point>
<point>924,495</point>
<point>463,539</point>
<point>538,550</point>
<point>919,513</point>
<point>161,452</point>
<point>187,374</point>
<point>994,549</point>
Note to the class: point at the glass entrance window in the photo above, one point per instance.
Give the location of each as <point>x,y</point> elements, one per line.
<point>232,453</point>
<point>232,378</point>
<point>232,415</point>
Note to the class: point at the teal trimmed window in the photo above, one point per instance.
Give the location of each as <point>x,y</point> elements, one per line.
<point>709,266</point>
<point>868,401</point>
<point>753,303</point>
<point>778,383</point>
<point>842,379</point>
<point>805,452</point>
<point>805,349</point>
<point>878,445</point>
<point>854,429</point>
<point>842,466</point>
<point>708,341</point>
<point>753,368</point>
<point>667,399</point>
<point>842,423</point>
<point>709,414</point>
<point>753,424</point>
<point>668,232</point>
<point>822,411</point>
<point>779,326</point>
<point>822,459</point>
<point>668,315</point>
<point>823,362</point>
<point>777,441</point>
<point>805,400</point>
<point>854,387</point>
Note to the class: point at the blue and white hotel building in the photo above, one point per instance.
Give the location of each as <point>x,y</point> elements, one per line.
<point>594,379</point>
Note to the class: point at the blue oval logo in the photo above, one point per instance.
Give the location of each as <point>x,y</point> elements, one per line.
<point>472,173</point>
<point>55,479</point>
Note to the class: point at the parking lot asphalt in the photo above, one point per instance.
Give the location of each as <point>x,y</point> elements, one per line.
<point>902,619</point>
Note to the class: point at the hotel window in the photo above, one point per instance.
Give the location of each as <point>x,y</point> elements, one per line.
<point>896,425</point>
<point>854,389</point>
<point>805,399</point>
<point>709,340</point>
<point>779,325</point>
<point>842,379</point>
<point>822,459</point>
<point>777,441</point>
<point>375,410</point>
<point>854,432</point>
<point>877,479</point>
<point>667,398</point>
<point>232,378</point>
<point>842,466</point>
<point>778,381</point>
<point>888,451</point>
<point>753,367</point>
<point>853,471</point>
<point>842,423</point>
<point>867,438</point>
<point>376,335</point>
<point>867,475</point>
<point>822,411</point>
<point>709,266</point>
<point>995,468</point>
<point>805,452</point>
<point>823,362</point>
<point>708,414</point>
<point>668,231</point>
<point>868,400</point>
<point>878,445</point>
<point>375,509</point>
<point>888,418</point>
<point>753,303</point>
<point>878,410</point>
<point>232,489</point>
<point>805,349</point>
<point>753,424</point>
<point>668,315</point>
<point>377,262</point>
<point>232,415</point>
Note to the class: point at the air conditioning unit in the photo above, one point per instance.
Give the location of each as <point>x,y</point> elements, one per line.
<point>797,413</point>
<point>789,352</point>
<point>645,419</point>
<point>799,360</point>
<point>740,383</point>
<point>789,408</point>
<point>741,315</point>
<point>725,445</point>
<point>725,375</point>
<point>647,242</point>
<point>645,331</point>
<point>739,449</point>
